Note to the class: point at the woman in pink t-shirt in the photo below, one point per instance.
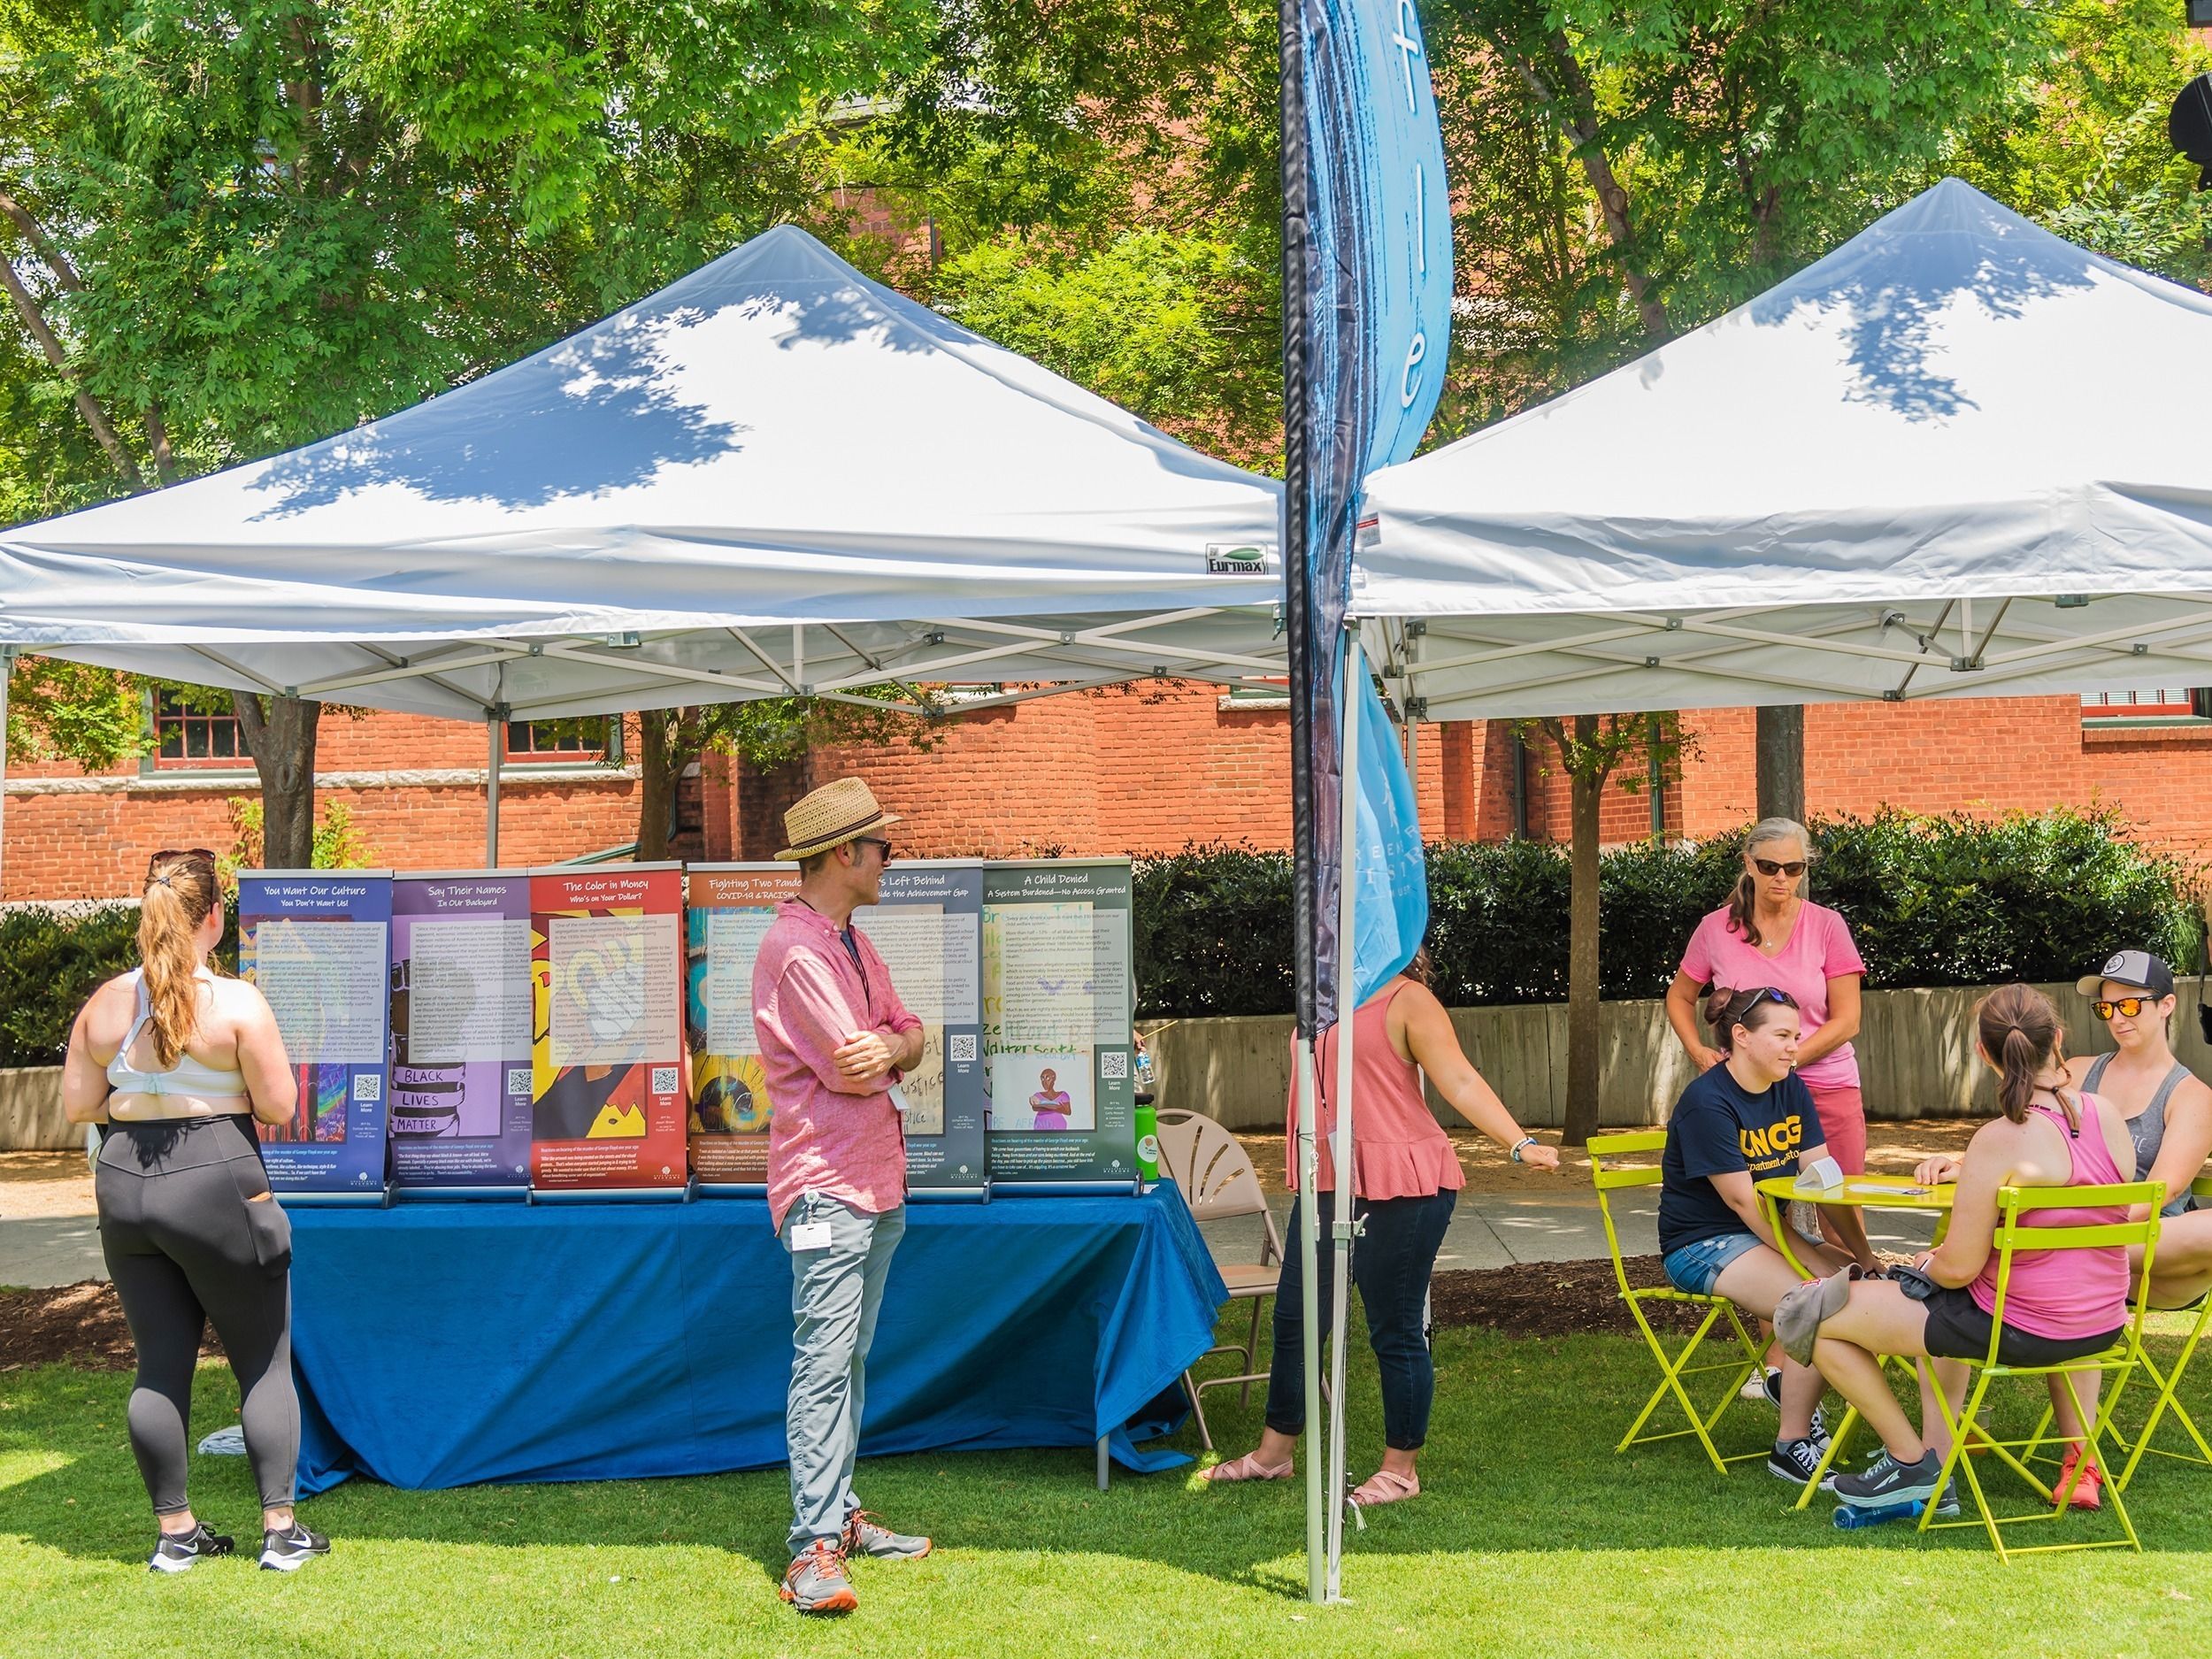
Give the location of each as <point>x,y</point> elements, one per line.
<point>1769,933</point>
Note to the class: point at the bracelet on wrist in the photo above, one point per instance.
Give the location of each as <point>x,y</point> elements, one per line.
<point>1514,1152</point>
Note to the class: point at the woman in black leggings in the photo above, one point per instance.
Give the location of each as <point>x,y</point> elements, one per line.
<point>178,1063</point>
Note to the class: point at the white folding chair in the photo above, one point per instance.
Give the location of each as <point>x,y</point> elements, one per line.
<point>1214,1172</point>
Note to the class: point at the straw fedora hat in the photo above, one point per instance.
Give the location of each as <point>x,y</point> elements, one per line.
<point>833,815</point>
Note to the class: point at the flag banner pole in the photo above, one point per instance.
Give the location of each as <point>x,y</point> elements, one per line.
<point>1367,323</point>
<point>1308,1246</point>
<point>1347,1004</point>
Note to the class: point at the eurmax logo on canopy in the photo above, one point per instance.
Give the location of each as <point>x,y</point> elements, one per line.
<point>1228,559</point>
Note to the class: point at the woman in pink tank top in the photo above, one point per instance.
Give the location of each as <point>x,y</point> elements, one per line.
<point>2060,1305</point>
<point>1405,1174</point>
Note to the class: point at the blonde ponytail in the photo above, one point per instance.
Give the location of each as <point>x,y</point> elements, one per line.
<point>180,891</point>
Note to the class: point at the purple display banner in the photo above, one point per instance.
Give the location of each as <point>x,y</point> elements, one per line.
<point>460,1031</point>
<point>317,943</point>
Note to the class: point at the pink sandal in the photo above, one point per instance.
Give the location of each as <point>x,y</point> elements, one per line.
<point>1247,1467</point>
<point>1386,1487</point>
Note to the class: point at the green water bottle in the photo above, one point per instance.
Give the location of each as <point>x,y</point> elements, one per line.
<point>1147,1145</point>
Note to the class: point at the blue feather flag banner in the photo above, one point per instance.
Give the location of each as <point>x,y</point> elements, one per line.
<point>1367,278</point>
<point>1392,915</point>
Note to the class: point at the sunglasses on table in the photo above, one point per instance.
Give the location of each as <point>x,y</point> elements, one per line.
<point>1776,867</point>
<point>2130,1006</point>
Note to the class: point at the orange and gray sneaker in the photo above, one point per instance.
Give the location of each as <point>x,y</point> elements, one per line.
<point>2081,1493</point>
<point>864,1535</point>
<point>816,1582</point>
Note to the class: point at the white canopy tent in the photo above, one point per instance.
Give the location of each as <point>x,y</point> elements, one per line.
<point>773,476</point>
<point>1958,457</point>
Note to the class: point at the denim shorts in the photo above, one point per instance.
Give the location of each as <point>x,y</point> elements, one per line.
<point>1697,1267</point>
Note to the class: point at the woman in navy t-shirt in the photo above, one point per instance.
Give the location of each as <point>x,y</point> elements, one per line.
<point>1743,1122</point>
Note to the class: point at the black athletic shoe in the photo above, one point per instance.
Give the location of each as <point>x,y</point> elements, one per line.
<point>1794,1460</point>
<point>1773,1384</point>
<point>292,1548</point>
<point>178,1551</point>
<point>1888,1481</point>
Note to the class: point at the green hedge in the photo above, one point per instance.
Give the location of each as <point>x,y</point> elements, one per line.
<point>50,962</point>
<point>1932,901</point>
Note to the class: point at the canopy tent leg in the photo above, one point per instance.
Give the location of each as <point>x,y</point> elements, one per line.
<point>1310,1311</point>
<point>493,728</point>
<point>1347,1004</point>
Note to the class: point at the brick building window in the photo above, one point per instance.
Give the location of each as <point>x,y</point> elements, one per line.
<point>184,737</point>
<point>572,741</point>
<point>2169,703</point>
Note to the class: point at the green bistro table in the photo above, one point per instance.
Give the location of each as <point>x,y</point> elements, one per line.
<point>1858,1192</point>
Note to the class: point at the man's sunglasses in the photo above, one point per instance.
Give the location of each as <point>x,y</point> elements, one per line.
<point>876,842</point>
<point>2132,1006</point>
<point>1774,867</point>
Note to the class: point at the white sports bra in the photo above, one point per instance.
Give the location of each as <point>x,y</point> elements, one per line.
<point>187,1076</point>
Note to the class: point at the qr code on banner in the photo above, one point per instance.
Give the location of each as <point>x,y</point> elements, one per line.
<point>1113,1065</point>
<point>664,1079</point>
<point>518,1079</point>
<point>368,1085</point>
<point>961,1047</point>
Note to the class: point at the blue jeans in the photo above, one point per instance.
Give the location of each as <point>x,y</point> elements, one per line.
<point>1391,1264</point>
<point>1697,1267</point>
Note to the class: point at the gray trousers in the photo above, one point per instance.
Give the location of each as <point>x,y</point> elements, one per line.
<point>835,1291</point>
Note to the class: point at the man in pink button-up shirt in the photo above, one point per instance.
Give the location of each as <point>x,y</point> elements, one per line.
<point>834,1040</point>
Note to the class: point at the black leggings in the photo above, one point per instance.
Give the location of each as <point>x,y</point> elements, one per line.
<point>187,1239</point>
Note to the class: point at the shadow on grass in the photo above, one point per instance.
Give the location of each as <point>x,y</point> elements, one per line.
<point>1519,1459</point>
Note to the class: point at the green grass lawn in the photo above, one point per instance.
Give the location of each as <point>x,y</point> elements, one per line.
<point>1531,1538</point>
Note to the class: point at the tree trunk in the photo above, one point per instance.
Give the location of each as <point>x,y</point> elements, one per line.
<point>1780,751</point>
<point>282,741</point>
<point>656,783</point>
<point>1584,793</point>
<point>95,418</point>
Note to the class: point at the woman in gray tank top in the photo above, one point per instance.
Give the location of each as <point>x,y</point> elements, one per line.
<point>2168,1109</point>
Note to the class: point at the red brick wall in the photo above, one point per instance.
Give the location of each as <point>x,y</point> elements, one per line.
<point>1137,771</point>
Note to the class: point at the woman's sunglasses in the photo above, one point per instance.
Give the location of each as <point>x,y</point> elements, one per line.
<point>2132,1006</point>
<point>200,855</point>
<point>1775,867</point>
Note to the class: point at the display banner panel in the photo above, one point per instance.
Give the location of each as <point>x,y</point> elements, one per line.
<point>317,943</point>
<point>607,1055</point>
<point>730,909</point>
<point>927,928</point>
<point>1058,1039</point>
<point>461,1030</point>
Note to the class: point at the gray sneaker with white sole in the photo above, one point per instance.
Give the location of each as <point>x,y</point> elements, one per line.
<point>864,1535</point>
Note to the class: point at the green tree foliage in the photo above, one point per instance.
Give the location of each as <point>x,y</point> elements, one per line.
<point>62,710</point>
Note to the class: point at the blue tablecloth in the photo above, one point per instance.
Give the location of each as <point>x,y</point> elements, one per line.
<point>438,1344</point>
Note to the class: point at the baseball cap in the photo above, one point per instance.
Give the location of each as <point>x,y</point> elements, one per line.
<point>2131,967</point>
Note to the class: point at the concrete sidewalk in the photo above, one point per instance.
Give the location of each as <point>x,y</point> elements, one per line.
<point>48,1236</point>
<point>1503,1230</point>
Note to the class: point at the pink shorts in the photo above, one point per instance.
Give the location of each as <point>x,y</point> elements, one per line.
<point>1842,1124</point>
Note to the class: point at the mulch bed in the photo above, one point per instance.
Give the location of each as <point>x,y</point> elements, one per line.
<point>83,1324</point>
<point>1553,1299</point>
<point>80,1324</point>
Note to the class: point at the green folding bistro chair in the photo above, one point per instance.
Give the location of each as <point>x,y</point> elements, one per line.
<point>2169,1385</point>
<point>2015,1234</point>
<point>1675,1368</point>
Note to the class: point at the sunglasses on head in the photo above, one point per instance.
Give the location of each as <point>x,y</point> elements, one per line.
<point>189,855</point>
<point>2132,1006</point>
<point>1776,867</point>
